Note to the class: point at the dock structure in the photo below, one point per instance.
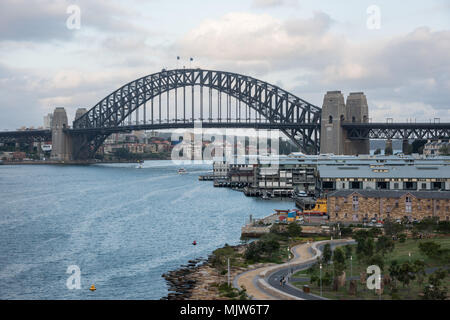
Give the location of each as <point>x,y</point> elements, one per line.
<point>304,203</point>
<point>210,177</point>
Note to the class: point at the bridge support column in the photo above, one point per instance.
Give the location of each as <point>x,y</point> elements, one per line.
<point>61,141</point>
<point>358,112</point>
<point>405,146</point>
<point>333,138</point>
<point>332,135</point>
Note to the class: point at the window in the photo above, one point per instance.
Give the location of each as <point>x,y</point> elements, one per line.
<point>396,185</point>
<point>408,204</point>
<point>424,185</point>
<point>330,119</point>
<point>355,203</point>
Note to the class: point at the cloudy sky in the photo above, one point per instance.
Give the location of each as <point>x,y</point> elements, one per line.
<point>305,46</point>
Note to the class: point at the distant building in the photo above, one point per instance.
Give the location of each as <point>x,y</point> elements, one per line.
<point>48,121</point>
<point>433,148</point>
<point>19,156</point>
<point>364,205</point>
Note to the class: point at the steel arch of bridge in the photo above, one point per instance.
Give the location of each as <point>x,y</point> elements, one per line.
<point>277,108</point>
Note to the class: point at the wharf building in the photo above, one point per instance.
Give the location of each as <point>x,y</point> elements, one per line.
<point>327,173</point>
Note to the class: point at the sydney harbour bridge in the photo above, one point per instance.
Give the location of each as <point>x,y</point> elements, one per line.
<point>181,98</point>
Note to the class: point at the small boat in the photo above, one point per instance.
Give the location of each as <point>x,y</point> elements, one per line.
<point>265,196</point>
<point>182,171</point>
<point>92,288</point>
<point>194,243</point>
<point>140,165</point>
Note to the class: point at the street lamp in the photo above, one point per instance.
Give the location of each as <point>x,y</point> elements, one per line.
<point>320,266</point>
<point>351,267</point>
<point>379,290</point>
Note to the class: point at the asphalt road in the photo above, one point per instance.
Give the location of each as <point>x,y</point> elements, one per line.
<point>274,278</point>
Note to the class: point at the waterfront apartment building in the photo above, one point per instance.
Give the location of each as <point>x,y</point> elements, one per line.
<point>364,205</point>
<point>287,174</point>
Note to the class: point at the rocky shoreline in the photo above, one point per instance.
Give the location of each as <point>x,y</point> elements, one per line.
<point>181,281</point>
<point>198,280</point>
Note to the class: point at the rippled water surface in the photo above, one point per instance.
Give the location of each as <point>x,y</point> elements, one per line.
<point>124,227</point>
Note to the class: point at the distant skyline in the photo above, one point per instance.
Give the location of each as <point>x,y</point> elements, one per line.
<point>306,47</point>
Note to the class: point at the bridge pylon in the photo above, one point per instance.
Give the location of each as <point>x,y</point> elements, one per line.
<point>61,141</point>
<point>335,111</point>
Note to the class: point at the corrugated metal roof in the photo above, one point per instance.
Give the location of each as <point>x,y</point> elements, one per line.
<point>392,194</point>
<point>393,172</point>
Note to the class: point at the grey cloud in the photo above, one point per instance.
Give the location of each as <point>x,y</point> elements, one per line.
<point>44,20</point>
<point>272,3</point>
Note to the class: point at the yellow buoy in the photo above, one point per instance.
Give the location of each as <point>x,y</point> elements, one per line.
<point>92,288</point>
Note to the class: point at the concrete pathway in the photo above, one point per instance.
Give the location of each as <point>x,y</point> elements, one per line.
<point>263,283</point>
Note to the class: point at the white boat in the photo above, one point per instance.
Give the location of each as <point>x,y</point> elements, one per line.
<point>140,165</point>
<point>182,171</point>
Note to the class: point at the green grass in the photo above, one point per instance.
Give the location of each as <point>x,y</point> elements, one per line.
<point>400,253</point>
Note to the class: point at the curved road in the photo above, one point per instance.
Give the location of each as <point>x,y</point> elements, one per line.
<point>263,283</point>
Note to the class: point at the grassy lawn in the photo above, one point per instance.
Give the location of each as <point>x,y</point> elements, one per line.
<point>400,253</point>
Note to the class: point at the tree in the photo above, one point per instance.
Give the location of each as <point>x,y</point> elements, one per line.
<point>384,245</point>
<point>402,237</point>
<point>433,290</point>
<point>419,270</point>
<point>122,153</point>
<point>376,259</point>
<point>294,230</point>
<point>326,254</point>
<point>365,245</point>
<point>374,232</point>
<point>348,251</point>
<point>406,273</point>
<point>338,261</point>
<point>392,228</point>
<point>417,146</point>
<point>444,151</point>
<point>326,279</point>
<point>430,248</point>
<point>394,271</point>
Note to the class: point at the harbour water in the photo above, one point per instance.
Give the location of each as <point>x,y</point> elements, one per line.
<point>122,226</point>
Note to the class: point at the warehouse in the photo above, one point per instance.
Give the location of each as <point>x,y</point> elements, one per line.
<point>385,177</point>
<point>364,205</point>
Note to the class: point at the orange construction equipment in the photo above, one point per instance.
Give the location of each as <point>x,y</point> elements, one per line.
<point>320,209</point>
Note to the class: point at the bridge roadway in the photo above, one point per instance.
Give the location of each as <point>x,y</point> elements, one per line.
<point>397,130</point>
<point>187,125</point>
<point>263,283</point>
